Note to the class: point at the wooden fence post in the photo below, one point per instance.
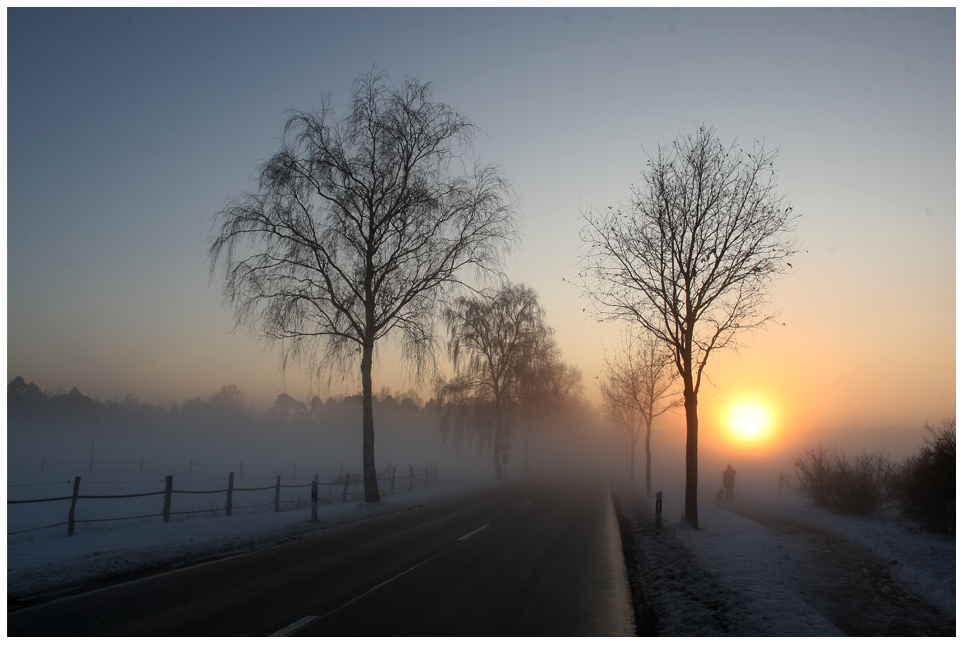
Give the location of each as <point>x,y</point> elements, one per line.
<point>277,494</point>
<point>168,493</point>
<point>230,493</point>
<point>314,499</point>
<point>73,507</point>
<point>344,495</point>
<point>411,477</point>
<point>393,480</point>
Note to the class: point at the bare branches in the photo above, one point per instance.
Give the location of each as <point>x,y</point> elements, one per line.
<point>358,222</point>
<point>497,343</point>
<point>692,257</point>
<point>358,226</point>
<point>638,385</point>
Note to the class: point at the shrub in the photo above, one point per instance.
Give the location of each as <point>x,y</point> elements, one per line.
<point>814,468</point>
<point>925,485</point>
<point>831,480</point>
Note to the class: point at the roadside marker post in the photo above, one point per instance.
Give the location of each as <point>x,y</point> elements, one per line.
<point>659,508</point>
<point>314,499</point>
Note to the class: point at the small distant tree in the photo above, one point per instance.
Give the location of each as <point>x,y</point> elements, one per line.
<point>691,258</point>
<point>494,341</point>
<point>357,227</point>
<point>230,399</point>
<point>637,386</point>
<point>287,408</point>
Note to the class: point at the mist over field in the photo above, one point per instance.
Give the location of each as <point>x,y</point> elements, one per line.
<point>224,429</point>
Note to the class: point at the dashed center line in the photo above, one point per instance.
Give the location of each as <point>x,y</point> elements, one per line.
<point>471,533</point>
<point>527,503</point>
<point>295,626</point>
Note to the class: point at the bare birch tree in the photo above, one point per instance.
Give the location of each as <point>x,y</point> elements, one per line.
<point>638,386</point>
<point>692,257</point>
<point>494,342</point>
<point>357,226</point>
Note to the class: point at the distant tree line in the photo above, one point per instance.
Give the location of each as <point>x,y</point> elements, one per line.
<point>29,400</point>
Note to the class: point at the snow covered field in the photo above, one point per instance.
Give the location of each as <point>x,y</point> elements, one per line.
<point>730,577</point>
<point>48,561</point>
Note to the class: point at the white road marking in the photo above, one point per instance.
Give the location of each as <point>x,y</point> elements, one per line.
<point>470,534</point>
<point>527,503</point>
<point>295,626</point>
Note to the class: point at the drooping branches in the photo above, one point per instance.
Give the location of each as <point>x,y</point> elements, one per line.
<point>497,343</point>
<point>357,226</point>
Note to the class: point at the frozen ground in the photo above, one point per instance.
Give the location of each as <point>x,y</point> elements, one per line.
<point>732,577</point>
<point>735,577</point>
<point>44,562</point>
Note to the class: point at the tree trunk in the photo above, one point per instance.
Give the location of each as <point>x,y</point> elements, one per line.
<point>649,458</point>
<point>692,455</point>
<point>632,458</point>
<point>368,425</point>
<point>497,447</point>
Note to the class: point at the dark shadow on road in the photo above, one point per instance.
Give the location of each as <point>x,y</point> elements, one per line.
<point>849,584</point>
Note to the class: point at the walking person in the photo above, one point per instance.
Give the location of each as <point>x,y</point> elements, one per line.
<point>729,481</point>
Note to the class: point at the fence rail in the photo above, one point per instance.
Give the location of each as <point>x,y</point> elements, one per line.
<point>338,487</point>
<point>44,464</point>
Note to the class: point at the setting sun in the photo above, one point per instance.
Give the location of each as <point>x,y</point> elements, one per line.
<point>750,421</point>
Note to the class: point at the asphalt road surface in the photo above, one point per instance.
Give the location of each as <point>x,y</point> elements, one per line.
<point>526,559</point>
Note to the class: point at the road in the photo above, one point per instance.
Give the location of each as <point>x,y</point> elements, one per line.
<point>526,559</point>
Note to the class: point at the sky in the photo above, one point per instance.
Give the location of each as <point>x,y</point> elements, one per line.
<point>129,129</point>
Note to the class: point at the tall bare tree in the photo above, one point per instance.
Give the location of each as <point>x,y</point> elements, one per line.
<point>692,258</point>
<point>638,386</point>
<point>494,342</point>
<point>357,226</point>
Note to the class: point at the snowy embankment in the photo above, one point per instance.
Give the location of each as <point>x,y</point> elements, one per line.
<point>734,577</point>
<point>731,577</point>
<point>50,562</point>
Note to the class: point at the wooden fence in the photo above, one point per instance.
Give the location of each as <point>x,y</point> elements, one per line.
<point>341,488</point>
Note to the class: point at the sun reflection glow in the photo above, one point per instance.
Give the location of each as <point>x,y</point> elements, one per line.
<point>750,421</point>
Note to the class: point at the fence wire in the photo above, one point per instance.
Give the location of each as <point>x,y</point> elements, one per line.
<point>401,483</point>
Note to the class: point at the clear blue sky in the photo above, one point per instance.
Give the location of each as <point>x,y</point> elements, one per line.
<point>129,129</point>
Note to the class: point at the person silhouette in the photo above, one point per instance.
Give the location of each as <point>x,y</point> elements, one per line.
<point>729,481</point>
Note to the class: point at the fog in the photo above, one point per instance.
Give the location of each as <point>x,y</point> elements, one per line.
<point>224,430</point>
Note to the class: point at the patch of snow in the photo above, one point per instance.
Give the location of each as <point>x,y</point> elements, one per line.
<point>49,561</point>
<point>734,577</point>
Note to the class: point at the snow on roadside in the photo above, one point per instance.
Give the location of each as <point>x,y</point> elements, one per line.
<point>732,577</point>
<point>38,565</point>
<point>925,563</point>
